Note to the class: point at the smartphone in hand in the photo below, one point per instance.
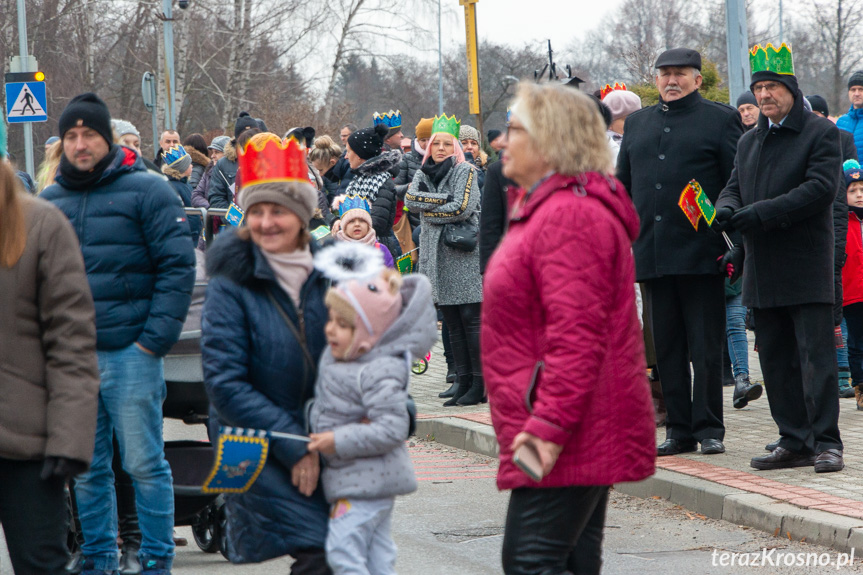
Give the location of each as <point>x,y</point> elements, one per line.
<point>527,459</point>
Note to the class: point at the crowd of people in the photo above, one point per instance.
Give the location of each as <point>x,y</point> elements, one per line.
<point>572,288</point>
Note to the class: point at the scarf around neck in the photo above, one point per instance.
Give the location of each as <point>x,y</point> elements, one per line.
<point>292,270</point>
<point>370,239</point>
<point>77,179</point>
<point>437,172</point>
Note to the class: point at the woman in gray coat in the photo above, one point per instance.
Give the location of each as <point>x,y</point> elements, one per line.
<point>444,191</point>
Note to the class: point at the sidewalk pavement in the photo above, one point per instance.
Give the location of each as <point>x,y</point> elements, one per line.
<point>825,509</point>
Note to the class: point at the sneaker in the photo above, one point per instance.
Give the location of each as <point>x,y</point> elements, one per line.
<point>845,390</point>
<point>153,566</point>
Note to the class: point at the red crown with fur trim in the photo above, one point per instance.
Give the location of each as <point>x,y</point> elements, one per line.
<point>273,161</point>
<point>609,88</point>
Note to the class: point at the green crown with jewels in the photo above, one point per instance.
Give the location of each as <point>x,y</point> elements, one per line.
<point>771,59</point>
<point>446,125</point>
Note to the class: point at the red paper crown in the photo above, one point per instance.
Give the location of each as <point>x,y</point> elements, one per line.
<point>608,89</point>
<point>270,160</point>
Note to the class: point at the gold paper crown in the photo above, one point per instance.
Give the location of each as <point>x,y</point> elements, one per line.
<point>446,125</point>
<point>771,59</point>
<point>608,89</point>
<point>267,159</point>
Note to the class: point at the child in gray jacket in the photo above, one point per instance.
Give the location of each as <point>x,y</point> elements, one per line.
<point>377,325</point>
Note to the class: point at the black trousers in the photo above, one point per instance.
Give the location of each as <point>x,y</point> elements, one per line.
<point>34,518</point>
<point>798,359</point>
<point>555,531</point>
<point>463,322</point>
<point>687,317</point>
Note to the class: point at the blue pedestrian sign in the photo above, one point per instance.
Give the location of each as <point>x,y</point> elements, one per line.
<point>26,102</point>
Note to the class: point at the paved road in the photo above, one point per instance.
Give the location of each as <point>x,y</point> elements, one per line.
<point>454,525</point>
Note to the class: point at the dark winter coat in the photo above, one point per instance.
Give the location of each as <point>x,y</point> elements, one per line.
<point>200,163</point>
<point>493,222</point>
<point>222,178</point>
<point>852,122</point>
<point>840,226</point>
<point>184,190</point>
<point>791,176</point>
<point>49,374</point>
<point>199,194</point>
<point>137,250</point>
<point>256,377</point>
<point>408,166</point>
<point>342,174</point>
<point>563,353</point>
<point>663,148</point>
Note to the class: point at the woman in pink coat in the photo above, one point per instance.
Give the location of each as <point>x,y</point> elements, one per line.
<point>561,344</point>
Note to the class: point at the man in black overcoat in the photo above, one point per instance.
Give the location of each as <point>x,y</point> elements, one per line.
<point>682,138</point>
<point>780,197</point>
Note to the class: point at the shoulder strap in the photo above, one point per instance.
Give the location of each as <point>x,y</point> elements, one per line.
<point>300,337</point>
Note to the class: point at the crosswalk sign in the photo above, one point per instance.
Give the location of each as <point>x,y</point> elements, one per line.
<point>26,102</point>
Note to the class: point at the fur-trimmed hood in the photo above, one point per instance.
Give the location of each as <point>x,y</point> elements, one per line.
<point>384,162</point>
<point>198,157</point>
<point>231,151</point>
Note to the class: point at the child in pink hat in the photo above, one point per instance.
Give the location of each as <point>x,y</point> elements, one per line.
<point>378,322</point>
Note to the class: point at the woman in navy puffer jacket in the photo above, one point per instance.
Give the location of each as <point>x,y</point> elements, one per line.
<point>259,374</point>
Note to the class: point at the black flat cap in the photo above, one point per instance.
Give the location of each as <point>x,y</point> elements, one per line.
<point>679,57</point>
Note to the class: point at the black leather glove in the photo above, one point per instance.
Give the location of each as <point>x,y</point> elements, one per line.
<point>731,264</point>
<point>722,221</point>
<point>62,467</point>
<point>745,219</point>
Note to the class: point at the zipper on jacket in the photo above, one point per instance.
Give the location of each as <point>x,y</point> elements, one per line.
<point>81,217</point>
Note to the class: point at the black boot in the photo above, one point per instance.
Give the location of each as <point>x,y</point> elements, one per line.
<point>127,523</point>
<point>463,388</point>
<point>744,391</point>
<point>449,392</point>
<point>475,395</point>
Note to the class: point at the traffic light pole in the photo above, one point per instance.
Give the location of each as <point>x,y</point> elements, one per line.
<point>22,50</point>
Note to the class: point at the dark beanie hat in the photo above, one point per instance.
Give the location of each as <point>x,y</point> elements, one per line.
<point>746,97</point>
<point>856,79</point>
<point>367,143</point>
<point>87,110</point>
<point>492,135</point>
<point>818,103</point>
<point>244,122</point>
<point>787,80</point>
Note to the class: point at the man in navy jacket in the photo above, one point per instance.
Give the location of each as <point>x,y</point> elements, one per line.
<point>141,268</point>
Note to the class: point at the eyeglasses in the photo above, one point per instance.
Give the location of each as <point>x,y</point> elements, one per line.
<point>766,86</point>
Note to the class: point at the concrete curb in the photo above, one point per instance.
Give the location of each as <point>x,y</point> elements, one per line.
<point>697,495</point>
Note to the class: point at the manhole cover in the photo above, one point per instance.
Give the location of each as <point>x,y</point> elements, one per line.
<point>459,535</point>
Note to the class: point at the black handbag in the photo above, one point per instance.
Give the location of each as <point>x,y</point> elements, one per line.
<point>461,235</point>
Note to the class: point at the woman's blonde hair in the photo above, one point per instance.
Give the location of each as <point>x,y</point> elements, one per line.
<point>48,169</point>
<point>13,231</point>
<point>324,150</point>
<point>565,127</point>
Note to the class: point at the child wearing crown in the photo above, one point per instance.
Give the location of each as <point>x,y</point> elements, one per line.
<point>377,323</point>
<point>355,225</point>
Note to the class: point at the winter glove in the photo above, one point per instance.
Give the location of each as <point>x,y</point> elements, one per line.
<point>722,220</point>
<point>62,467</point>
<point>731,264</point>
<point>745,219</point>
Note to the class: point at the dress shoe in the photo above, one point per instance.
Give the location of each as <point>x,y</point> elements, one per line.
<point>745,391</point>
<point>712,446</point>
<point>781,458</point>
<point>674,446</point>
<point>830,460</point>
<point>771,446</point>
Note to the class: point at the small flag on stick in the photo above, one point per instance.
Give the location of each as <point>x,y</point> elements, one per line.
<point>696,205</point>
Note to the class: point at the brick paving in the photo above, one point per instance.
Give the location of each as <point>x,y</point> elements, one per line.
<point>747,431</point>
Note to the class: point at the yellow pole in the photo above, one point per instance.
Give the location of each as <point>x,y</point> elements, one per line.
<point>473,88</point>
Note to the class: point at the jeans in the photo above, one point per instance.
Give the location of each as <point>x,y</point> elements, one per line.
<point>359,539</point>
<point>34,518</point>
<point>842,352</point>
<point>555,530</point>
<point>853,318</point>
<point>130,405</point>
<point>735,331</point>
